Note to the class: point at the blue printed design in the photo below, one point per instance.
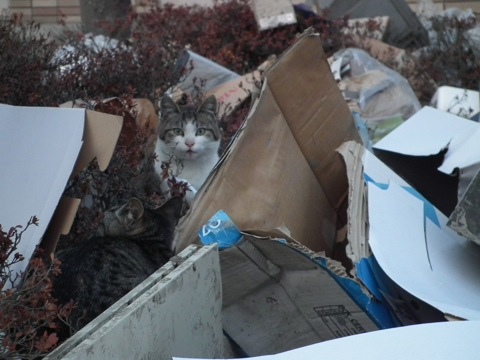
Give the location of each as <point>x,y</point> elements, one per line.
<point>220,229</point>
<point>428,208</point>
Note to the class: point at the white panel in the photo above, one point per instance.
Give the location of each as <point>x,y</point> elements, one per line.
<point>175,312</point>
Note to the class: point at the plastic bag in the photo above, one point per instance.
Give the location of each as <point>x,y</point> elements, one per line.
<point>381,92</point>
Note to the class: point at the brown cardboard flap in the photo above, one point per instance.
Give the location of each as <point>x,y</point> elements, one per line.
<point>100,138</point>
<point>60,223</point>
<point>282,169</point>
<point>316,112</point>
<point>265,183</point>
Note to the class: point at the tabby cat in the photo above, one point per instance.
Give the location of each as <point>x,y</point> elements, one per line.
<point>189,139</point>
<point>130,244</point>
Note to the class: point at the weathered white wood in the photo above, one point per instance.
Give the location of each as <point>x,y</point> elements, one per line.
<point>175,312</point>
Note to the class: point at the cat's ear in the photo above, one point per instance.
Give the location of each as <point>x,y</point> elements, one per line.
<point>131,211</point>
<point>171,210</point>
<point>168,106</point>
<point>209,105</point>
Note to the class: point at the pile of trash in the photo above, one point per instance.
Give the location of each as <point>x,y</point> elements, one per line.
<point>390,221</point>
<point>342,216</point>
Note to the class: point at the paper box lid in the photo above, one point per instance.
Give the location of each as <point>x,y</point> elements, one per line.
<point>40,148</point>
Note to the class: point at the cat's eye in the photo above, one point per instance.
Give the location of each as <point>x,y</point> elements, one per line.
<point>177,131</point>
<point>201,131</point>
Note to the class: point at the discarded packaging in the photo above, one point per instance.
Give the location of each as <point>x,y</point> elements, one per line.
<point>381,94</point>
<point>282,172</point>
<point>284,297</point>
<point>41,148</point>
<point>231,94</point>
<point>435,154</point>
<point>283,285</point>
<point>464,218</point>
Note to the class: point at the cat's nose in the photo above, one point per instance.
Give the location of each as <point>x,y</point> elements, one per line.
<point>189,144</point>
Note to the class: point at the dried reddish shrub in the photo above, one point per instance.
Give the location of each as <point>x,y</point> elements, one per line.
<point>451,60</point>
<point>30,317</point>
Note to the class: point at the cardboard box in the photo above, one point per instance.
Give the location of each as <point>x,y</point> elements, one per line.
<point>278,295</point>
<point>281,168</point>
<point>40,149</point>
<point>440,341</point>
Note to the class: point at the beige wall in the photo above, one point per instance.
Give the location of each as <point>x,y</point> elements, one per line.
<point>49,11</point>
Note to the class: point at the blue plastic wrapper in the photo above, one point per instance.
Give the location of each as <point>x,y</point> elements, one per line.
<point>220,229</point>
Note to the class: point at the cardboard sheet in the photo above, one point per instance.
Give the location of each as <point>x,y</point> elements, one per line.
<point>439,341</point>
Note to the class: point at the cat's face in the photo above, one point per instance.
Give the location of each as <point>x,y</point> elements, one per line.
<point>125,220</point>
<point>187,133</point>
<point>131,219</point>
